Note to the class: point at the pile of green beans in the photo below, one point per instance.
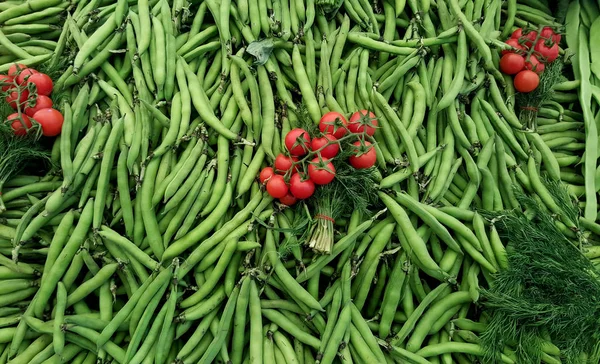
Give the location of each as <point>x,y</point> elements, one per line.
<point>150,239</point>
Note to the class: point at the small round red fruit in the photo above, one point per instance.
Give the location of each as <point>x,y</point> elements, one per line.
<point>515,44</point>
<point>265,174</point>
<point>42,102</point>
<point>363,120</point>
<point>15,68</point>
<point>333,123</point>
<point>19,125</point>
<point>512,63</point>
<point>548,49</point>
<point>276,186</point>
<point>288,200</point>
<point>328,143</point>
<point>534,64</point>
<point>321,172</point>
<point>297,142</point>
<point>526,81</point>
<point>283,163</point>
<point>51,121</point>
<point>42,82</point>
<point>6,82</point>
<point>24,76</point>
<point>300,188</point>
<point>13,98</point>
<point>364,157</point>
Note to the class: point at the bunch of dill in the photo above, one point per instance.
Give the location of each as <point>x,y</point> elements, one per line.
<point>549,290</point>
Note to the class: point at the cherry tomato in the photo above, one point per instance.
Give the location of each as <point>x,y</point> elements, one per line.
<point>518,33</point>
<point>534,64</point>
<point>283,163</point>
<point>288,200</point>
<point>8,81</point>
<point>23,77</point>
<point>512,63</point>
<point>14,96</point>
<point>363,119</point>
<point>333,123</point>
<point>16,123</point>
<point>297,142</point>
<point>15,68</point>
<point>276,186</point>
<point>51,121</point>
<point>43,83</point>
<point>265,174</point>
<point>42,102</point>
<point>548,33</point>
<point>321,172</point>
<point>301,189</point>
<point>365,155</point>
<point>513,43</point>
<point>548,49</point>
<point>526,81</point>
<point>329,144</point>
<point>529,38</point>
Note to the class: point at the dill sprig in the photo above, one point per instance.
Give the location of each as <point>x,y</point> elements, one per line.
<point>549,290</point>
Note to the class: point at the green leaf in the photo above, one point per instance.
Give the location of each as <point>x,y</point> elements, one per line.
<point>261,50</point>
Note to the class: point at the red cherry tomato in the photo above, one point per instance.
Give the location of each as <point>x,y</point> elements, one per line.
<point>19,125</point>
<point>42,102</point>
<point>548,50</point>
<point>51,121</point>
<point>7,81</point>
<point>365,155</point>
<point>512,63</point>
<point>276,186</point>
<point>15,68</point>
<point>321,172</point>
<point>43,83</point>
<point>513,43</point>
<point>283,163</point>
<point>333,123</point>
<point>23,77</point>
<point>548,33</point>
<point>526,81</point>
<point>13,98</point>
<point>301,189</point>
<point>265,174</point>
<point>288,200</point>
<point>529,38</point>
<point>534,64</point>
<point>329,144</point>
<point>297,142</point>
<point>518,33</point>
<point>361,120</point>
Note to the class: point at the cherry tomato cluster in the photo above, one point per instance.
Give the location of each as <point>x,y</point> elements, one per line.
<point>532,51</point>
<point>28,92</point>
<point>289,181</point>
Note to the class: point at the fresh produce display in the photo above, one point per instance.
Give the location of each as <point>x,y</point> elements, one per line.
<point>299,181</point>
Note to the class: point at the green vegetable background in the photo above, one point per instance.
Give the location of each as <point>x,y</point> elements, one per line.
<point>142,234</point>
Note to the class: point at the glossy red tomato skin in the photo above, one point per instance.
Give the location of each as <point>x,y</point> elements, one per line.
<point>530,38</point>
<point>548,51</point>
<point>534,64</point>
<point>512,63</point>
<point>321,173</point>
<point>293,144</point>
<point>42,102</point>
<point>366,159</point>
<point>14,69</point>
<point>328,151</point>
<point>283,163</point>
<point>513,43</point>
<point>548,33</point>
<point>17,124</point>
<point>43,83</point>
<point>51,121</point>
<point>13,96</point>
<point>518,33</point>
<point>288,200</point>
<point>276,186</point>
<point>333,123</point>
<point>526,81</point>
<point>23,77</point>
<point>6,79</point>
<point>361,120</point>
<point>265,174</point>
<point>301,189</point>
